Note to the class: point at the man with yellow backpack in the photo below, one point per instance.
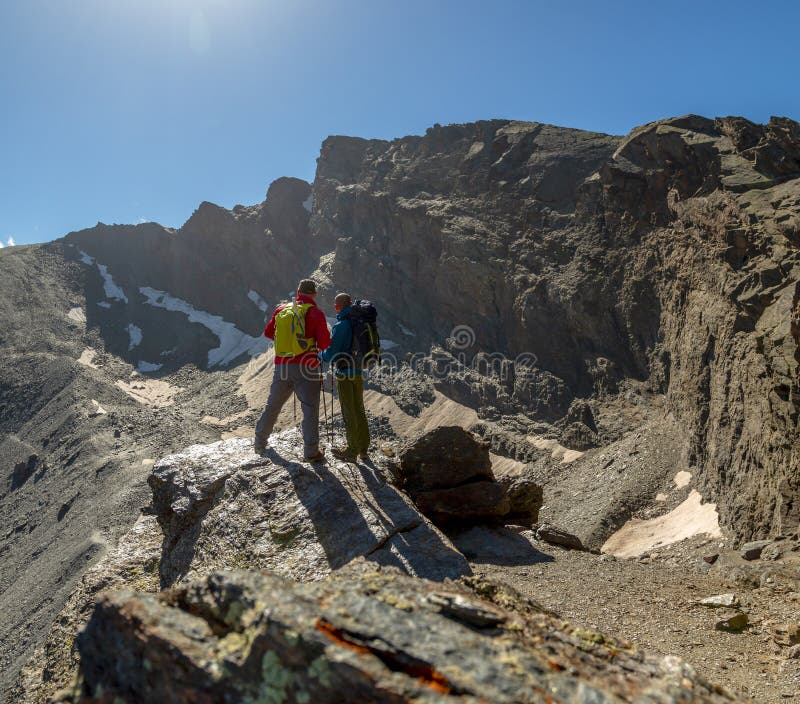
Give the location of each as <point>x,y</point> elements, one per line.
<point>299,330</point>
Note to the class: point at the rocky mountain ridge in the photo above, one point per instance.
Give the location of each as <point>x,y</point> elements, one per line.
<point>609,312</point>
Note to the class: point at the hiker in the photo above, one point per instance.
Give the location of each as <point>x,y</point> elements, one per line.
<point>299,330</point>
<point>349,382</point>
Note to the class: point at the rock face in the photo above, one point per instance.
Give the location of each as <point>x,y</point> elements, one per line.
<point>221,506</point>
<point>670,256</point>
<point>365,634</point>
<point>448,474</point>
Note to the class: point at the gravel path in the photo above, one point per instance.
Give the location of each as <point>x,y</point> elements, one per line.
<point>653,603</point>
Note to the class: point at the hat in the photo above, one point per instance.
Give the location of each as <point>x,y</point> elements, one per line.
<point>307,286</point>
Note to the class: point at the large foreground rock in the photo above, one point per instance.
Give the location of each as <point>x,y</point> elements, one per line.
<point>221,506</point>
<point>364,635</point>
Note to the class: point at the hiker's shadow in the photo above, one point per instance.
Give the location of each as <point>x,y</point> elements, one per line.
<point>356,513</point>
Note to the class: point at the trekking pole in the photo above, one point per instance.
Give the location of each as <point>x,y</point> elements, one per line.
<point>324,404</point>
<point>330,425</point>
<point>333,402</point>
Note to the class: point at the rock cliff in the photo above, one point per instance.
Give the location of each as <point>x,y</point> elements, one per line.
<point>669,256</point>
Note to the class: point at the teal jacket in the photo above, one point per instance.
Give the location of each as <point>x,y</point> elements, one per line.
<point>341,343</point>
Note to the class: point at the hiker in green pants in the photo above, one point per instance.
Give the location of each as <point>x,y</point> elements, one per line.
<point>349,382</point>
<point>351,396</point>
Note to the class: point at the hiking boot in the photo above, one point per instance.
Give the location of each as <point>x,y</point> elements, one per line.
<point>319,457</point>
<point>343,453</point>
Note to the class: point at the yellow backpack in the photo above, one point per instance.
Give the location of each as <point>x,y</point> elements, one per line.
<point>290,331</point>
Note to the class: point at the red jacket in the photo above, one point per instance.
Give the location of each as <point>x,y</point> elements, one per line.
<point>316,327</point>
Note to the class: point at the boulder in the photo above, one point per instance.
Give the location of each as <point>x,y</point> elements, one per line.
<point>732,620</point>
<point>555,536</point>
<point>365,634</point>
<point>221,506</point>
<point>719,600</point>
<point>448,474</point>
<point>785,634</point>
<point>525,496</point>
<point>445,457</point>
<point>778,548</point>
<point>578,436</point>
<point>753,550</point>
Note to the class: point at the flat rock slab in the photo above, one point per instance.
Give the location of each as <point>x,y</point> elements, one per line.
<point>221,506</point>
<point>366,634</point>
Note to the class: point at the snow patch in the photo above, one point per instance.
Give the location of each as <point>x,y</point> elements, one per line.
<point>682,479</point>
<point>104,304</point>
<point>77,314</point>
<point>691,518</point>
<point>232,342</point>
<point>406,331</point>
<point>149,392</point>
<point>96,410</point>
<point>388,344</point>
<point>144,367</point>
<point>87,358</point>
<point>556,449</point>
<point>113,291</point>
<point>309,202</point>
<point>261,304</point>
<point>135,335</point>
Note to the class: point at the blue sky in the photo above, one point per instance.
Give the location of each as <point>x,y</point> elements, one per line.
<point>130,110</point>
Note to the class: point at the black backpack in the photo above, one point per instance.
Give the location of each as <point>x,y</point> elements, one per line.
<point>365,349</point>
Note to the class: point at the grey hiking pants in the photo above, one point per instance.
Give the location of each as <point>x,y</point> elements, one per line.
<point>306,382</point>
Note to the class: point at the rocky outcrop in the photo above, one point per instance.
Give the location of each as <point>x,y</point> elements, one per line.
<point>670,256</point>
<point>365,634</point>
<point>448,474</point>
<point>221,506</point>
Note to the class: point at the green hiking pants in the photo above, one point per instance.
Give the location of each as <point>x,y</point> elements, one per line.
<point>351,396</point>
